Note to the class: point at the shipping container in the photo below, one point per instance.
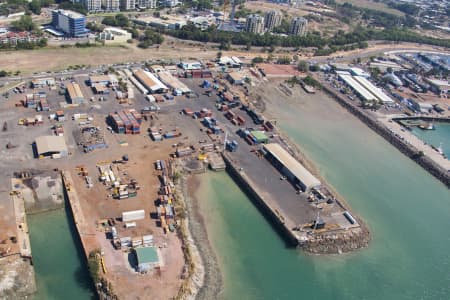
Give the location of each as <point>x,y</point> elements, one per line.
<point>147,239</point>
<point>130,225</point>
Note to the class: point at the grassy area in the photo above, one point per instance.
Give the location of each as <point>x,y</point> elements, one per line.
<point>373,5</point>
<point>57,58</point>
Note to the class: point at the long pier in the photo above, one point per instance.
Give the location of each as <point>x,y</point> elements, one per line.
<point>85,233</point>
<point>278,221</point>
<point>427,163</point>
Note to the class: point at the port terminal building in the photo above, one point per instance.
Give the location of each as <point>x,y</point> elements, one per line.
<point>294,171</point>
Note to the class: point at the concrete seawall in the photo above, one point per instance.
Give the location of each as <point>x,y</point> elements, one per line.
<point>86,237</point>
<point>410,151</point>
<point>270,213</point>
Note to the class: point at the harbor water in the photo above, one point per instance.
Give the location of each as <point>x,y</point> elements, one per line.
<point>440,136</point>
<point>60,268</point>
<point>405,208</point>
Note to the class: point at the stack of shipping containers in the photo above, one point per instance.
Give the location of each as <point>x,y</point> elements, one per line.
<point>126,121</point>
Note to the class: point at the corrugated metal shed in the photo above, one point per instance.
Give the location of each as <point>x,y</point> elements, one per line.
<point>377,92</point>
<point>363,92</point>
<point>47,145</point>
<point>290,163</point>
<point>150,81</point>
<point>75,94</point>
<point>173,82</point>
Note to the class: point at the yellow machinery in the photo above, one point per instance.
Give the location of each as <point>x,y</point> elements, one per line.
<point>202,156</point>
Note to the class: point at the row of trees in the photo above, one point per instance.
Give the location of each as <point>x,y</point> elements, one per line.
<point>150,38</point>
<point>34,6</point>
<point>340,41</point>
<point>24,45</point>
<point>25,23</point>
<point>119,20</point>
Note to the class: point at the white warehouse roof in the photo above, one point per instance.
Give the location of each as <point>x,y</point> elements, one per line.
<point>357,87</point>
<point>173,82</point>
<point>149,80</point>
<point>289,162</point>
<point>377,92</point>
<point>50,144</point>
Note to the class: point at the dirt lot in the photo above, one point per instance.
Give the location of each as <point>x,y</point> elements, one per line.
<point>50,59</point>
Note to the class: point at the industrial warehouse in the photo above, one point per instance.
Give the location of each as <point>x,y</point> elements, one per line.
<point>364,88</point>
<point>150,82</point>
<point>51,146</point>
<point>74,93</point>
<point>291,168</point>
<point>174,83</point>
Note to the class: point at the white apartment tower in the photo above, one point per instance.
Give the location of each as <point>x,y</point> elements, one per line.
<point>272,19</point>
<point>298,26</point>
<point>92,5</point>
<point>111,5</point>
<point>147,3</point>
<point>254,24</point>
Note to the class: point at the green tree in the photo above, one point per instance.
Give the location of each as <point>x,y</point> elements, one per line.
<point>35,6</point>
<point>122,20</point>
<point>109,21</point>
<point>284,60</point>
<point>302,66</point>
<point>25,23</point>
<point>257,60</point>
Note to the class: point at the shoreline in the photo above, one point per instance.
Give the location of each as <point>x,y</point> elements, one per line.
<point>208,266</point>
<point>410,151</point>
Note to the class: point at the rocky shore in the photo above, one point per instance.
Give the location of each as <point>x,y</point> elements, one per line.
<point>207,278</point>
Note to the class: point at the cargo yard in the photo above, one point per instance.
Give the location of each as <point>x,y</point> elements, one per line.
<point>120,165</point>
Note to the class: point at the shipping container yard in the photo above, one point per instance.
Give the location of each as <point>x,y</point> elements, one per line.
<point>122,164</point>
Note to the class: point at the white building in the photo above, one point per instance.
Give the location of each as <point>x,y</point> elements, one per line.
<point>147,3</point>
<point>295,172</point>
<point>51,146</point>
<point>111,5</point>
<point>112,35</point>
<point>272,19</point>
<point>93,5</point>
<point>191,65</point>
<point>298,26</point>
<point>254,24</point>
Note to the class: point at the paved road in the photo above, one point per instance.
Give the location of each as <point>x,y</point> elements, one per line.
<point>416,142</point>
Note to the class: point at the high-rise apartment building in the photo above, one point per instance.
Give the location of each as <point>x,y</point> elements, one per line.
<point>254,24</point>
<point>272,19</point>
<point>298,26</point>
<point>111,5</point>
<point>147,3</point>
<point>92,5</point>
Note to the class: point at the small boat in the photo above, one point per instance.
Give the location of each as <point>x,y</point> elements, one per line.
<point>427,126</point>
<point>440,150</point>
